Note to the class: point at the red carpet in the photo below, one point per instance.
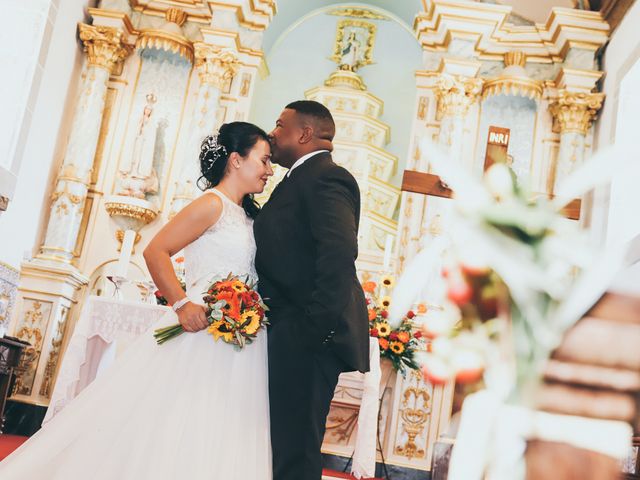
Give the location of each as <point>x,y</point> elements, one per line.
<point>8,443</point>
<point>333,475</point>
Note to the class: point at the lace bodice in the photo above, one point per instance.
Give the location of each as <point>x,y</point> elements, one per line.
<point>226,247</point>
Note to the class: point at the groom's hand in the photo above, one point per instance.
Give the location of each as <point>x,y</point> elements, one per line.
<point>192,317</point>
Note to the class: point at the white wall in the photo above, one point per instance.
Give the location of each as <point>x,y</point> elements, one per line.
<point>616,216</point>
<point>20,45</point>
<point>299,60</point>
<point>41,146</point>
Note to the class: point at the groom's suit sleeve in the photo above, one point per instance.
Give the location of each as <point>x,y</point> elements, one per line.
<point>333,205</point>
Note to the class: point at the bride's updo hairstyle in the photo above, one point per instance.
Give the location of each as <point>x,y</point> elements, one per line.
<point>215,150</point>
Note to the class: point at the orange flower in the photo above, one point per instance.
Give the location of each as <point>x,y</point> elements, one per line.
<point>369,287</point>
<point>232,308</point>
<point>403,337</point>
<point>384,343</point>
<point>372,314</point>
<point>422,308</point>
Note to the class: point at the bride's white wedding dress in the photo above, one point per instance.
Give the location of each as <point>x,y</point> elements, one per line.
<point>189,409</point>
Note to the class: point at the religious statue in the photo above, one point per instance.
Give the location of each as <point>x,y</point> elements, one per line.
<point>350,53</point>
<point>138,177</point>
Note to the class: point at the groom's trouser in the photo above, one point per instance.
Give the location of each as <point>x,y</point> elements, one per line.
<point>301,386</point>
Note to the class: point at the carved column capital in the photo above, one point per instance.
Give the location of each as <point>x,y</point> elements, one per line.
<point>104,45</point>
<point>575,111</point>
<point>456,94</point>
<point>215,65</point>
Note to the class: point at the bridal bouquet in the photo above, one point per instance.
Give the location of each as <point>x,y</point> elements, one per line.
<point>235,313</point>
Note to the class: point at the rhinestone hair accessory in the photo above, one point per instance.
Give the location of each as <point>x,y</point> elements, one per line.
<point>211,146</point>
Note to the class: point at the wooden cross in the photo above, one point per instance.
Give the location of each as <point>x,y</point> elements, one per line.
<point>497,152</point>
<point>432,185</point>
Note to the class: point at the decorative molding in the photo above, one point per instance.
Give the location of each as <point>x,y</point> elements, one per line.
<point>170,38</point>
<point>514,80</point>
<point>128,209</point>
<point>487,27</point>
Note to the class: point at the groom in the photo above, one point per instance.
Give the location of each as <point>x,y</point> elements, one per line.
<point>307,246</point>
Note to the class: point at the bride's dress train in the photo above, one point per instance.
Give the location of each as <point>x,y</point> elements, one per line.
<point>188,409</point>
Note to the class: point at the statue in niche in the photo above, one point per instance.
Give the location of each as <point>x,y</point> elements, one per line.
<point>351,52</point>
<point>353,45</point>
<point>138,176</point>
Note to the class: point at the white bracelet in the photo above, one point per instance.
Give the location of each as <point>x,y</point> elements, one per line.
<point>180,303</point>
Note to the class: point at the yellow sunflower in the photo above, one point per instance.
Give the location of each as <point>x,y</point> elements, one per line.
<point>387,281</point>
<point>383,329</point>
<point>385,301</point>
<point>238,286</point>
<point>396,347</point>
<point>214,329</point>
<point>254,321</point>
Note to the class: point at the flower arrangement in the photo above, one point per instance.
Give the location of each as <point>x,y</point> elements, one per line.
<point>398,344</point>
<point>235,313</point>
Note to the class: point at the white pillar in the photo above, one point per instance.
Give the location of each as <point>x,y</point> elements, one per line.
<point>104,49</point>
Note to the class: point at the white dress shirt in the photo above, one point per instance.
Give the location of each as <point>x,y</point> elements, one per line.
<point>303,159</point>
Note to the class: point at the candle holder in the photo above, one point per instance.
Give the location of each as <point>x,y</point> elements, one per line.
<point>118,282</point>
<point>146,289</point>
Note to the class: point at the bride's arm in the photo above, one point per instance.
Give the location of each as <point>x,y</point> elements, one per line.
<point>180,231</point>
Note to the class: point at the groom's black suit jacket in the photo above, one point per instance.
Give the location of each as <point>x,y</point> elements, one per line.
<point>306,237</point>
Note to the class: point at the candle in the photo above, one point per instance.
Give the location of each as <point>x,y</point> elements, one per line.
<point>125,253</point>
<point>387,252</point>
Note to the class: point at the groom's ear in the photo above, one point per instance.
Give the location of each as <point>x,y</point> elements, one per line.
<point>307,134</point>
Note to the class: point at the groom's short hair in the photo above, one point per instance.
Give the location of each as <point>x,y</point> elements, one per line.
<point>318,115</point>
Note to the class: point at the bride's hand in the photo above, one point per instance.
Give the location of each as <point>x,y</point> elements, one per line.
<point>192,317</point>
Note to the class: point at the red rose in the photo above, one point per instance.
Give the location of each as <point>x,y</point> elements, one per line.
<point>393,336</point>
<point>373,332</point>
<point>418,334</point>
<point>384,314</point>
<point>410,314</point>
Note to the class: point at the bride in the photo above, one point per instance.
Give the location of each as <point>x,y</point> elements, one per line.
<point>191,408</point>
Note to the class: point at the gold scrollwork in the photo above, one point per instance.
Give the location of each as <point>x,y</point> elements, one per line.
<point>104,45</point>
<point>62,208</point>
<point>415,413</point>
<point>54,355</point>
<point>31,329</point>
<point>575,111</point>
<point>357,13</point>
<point>215,65</point>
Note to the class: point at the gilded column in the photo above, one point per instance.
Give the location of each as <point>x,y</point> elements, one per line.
<point>105,48</point>
<point>455,94</point>
<point>215,66</point>
<point>573,113</point>
<point>49,283</point>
